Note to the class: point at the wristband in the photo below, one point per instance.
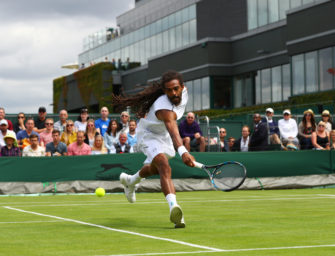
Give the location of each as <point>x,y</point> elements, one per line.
<point>182,150</point>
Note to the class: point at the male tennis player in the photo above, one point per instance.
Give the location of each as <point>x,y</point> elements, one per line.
<point>159,106</point>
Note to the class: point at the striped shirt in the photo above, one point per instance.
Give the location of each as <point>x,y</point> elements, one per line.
<point>13,151</point>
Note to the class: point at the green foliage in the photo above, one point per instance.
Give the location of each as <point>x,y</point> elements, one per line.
<point>59,87</point>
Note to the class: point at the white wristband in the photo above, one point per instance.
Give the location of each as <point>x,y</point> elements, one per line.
<point>182,150</point>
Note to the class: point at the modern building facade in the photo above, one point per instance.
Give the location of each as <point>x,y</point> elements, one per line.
<point>232,53</point>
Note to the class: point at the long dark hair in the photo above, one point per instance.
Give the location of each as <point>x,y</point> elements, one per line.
<point>304,122</point>
<point>141,102</point>
<point>109,129</point>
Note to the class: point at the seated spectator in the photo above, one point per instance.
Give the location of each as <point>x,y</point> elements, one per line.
<point>10,149</point>
<point>121,146</point>
<point>132,136</point>
<point>320,138</point>
<point>272,127</point>
<point>124,124</point>
<point>56,147</point>
<point>4,131</point>
<point>223,143</point>
<point>99,146</point>
<point>191,134</point>
<point>259,138</point>
<point>90,133</point>
<point>81,123</point>
<point>288,131</point>
<point>19,126</point>
<point>112,134</point>
<point>40,121</point>
<point>23,136</point>
<point>332,139</point>
<point>3,117</point>
<point>79,147</point>
<point>242,144</point>
<point>328,120</point>
<point>69,135</point>
<point>102,123</point>
<point>46,136</point>
<point>306,127</point>
<point>33,149</point>
<point>61,124</point>
<point>231,141</point>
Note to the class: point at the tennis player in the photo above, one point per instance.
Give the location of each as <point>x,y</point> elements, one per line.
<point>159,106</point>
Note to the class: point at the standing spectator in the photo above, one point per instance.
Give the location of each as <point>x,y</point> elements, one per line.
<point>306,127</point>
<point>102,123</point>
<point>320,138</point>
<point>272,127</point>
<point>56,147</point>
<point>79,147</point>
<point>124,124</point>
<point>61,124</point>
<point>33,149</point>
<point>23,136</point>
<point>4,131</point>
<point>288,130</point>
<point>121,146</point>
<point>90,133</point>
<point>191,134</point>
<point>81,123</point>
<point>223,142</point>
<point>332,139</point>
<point>231,141</point>
<point>46,136</point>
<point>242,144</point>
<point>10,149</point>
<point>69,135</point>
<point>259,138</point>
<point>112,134</point>
<point>19,126</point>
<point>40,121</point>
<point>131,135</point>
<point>99,146</point>
<point>3,116</point>
<point>328,120</point>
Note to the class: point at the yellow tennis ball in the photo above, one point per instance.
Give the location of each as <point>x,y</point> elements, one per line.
<point>100,192</point>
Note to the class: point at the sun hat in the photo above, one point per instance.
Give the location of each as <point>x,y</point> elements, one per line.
<point>9,135</point>
<point>269,110</point>
<point>309,111</point>
<point>325,113</point>
<point>287,111</point>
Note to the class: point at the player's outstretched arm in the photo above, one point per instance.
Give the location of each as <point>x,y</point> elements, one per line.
<point>169,118</point>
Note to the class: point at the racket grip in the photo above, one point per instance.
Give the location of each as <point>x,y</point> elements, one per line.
<point>198,165</point>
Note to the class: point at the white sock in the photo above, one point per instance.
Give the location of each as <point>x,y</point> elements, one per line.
<point>172,201</point>
<point>136,178</point>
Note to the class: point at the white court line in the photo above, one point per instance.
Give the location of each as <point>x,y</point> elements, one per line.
<point>116,230</point>
<point>28,222</point>
<point>326,195</point>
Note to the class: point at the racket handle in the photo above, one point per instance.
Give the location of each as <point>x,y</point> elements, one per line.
<point>198,165</point>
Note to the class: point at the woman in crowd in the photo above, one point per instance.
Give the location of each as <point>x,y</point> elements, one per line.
<point>332,139</point>
<point>320,138</point>
<point>91,132</point>
<point>111,136</point>
<point>11,148</point>
<point>306,127</point>
<point>19,126</point>
<point>99,146</point>
<point>81,123</point>
<point>328,120</point>
<point>69,135</point>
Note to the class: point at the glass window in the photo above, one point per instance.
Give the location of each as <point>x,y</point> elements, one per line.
<point>286,81</point>
<point>205,87</point>
<point>192,11</point>
<point>307,1</point>
<point>273,11</point>
<point>311,62</point>
<point>142,52</point>
<point>252,14</point>
<point>186,34</point>
<point>158,26</point>
<point>147,31</point>
<point>159,43</point>
<point>172,38</point>
<point>325,63</point>
<point>238,82</point>
<point>132,53</point>
<point>136,52</point>
<point>197,94</point>
<point>193,31</point>
<point>165,23</point>
<point>153,48</point>
<point>258,88</point>
<point>184,15</point>
<point>248,92</point>
<point>147,49</point>
<point>295,3</point>
<point>266,85</point>
<point>172,20</point>
<point>276,84</point>
<point>178,17</point>
<point>189,106</point>
<point>165,41</point>
<point>152,29</point>
<point>262,12</point>
<point>179,36</point>
<point>298,77</point>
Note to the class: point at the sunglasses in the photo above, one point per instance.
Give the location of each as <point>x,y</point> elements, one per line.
<point>69,125</point>
<point>222,131</point>
<point>124,116</point>
<point>321,125</point>
<point>49,123</point>
<point>20,117</point>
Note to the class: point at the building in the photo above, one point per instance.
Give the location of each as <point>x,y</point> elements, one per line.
<point>232,53</point>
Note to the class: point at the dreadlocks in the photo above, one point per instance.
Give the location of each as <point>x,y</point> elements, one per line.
<point>142,101</point>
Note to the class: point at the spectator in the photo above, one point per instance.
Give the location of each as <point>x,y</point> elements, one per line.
<point>33,149</point>
<point>124,124</point>
<point>306,127</point>
<point>79,147</point>
<point>56,147</point>
<point>328,120</point>
<point>81,123</point>
<point>99,146</point>
<point>90,133</point>
<point>112,134</point>
<point>121,146</point>
<point>320,138</point>
<point>3,116</point>
<point>259,138</point>
<point>332,139</point>
<point>102,123</point>
<point>10,149</point>
<point>4,131</point>
<point>19,126</point>
<point>223,143</point>
<point>191,134</point>
<point>131,135</point>
<point>288,131</point>
<point>242,144</point>
<point>40,121</point>
<point>272,127</point>
<point>61,124</point>
<point>231,141</point>
<point>46,136</point>
<point>23,136</point>
<point>69,135</point>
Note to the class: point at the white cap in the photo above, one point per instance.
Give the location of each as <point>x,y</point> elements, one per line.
<point>287,111</point>
<point>3,121</point>
<point>269,110</point>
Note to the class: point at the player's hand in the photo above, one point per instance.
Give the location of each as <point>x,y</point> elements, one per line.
<point>188,159</point>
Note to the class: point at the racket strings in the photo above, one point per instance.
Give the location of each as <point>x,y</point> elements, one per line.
<point>229,176</point>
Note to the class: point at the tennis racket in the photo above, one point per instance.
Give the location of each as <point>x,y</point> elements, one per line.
<point>226,176</point>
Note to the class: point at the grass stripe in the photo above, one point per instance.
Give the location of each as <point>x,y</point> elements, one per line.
<point>28,222</point>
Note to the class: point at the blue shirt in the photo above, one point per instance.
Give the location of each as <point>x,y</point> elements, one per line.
<point>61,148</point>
<point>102,125</point>
<point>132,140</point>
<point>23,135</point>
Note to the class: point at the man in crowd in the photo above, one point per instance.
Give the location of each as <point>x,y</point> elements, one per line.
<point>272,127</point>
<point>79,147</point>
<point>231,141</point>
<point>121,146</point>
<point>4,131</point>
<point>56,147</point>
<point>19,126</point>
<point>23,136</point>
<point>40,120</point>
<point>33,149</point>
<point>10,149</point>
<point>131,135</point>
<point>223,142</point>
<point>242,144</point>
<point>61,124</point>
<point>46,136</point>
<point>191,134</point>
<point>288,129</point>
<point>102,123</point>
<point>259,138</point>
<point>3,116</point>
<point>124,124</point>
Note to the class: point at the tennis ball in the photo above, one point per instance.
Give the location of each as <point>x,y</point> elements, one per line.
<point>100,192</point>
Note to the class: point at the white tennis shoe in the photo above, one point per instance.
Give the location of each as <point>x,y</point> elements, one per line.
<point>176,216</point>
<point>129,189</point>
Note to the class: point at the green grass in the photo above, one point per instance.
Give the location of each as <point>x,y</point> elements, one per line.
<point>228,221</point>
